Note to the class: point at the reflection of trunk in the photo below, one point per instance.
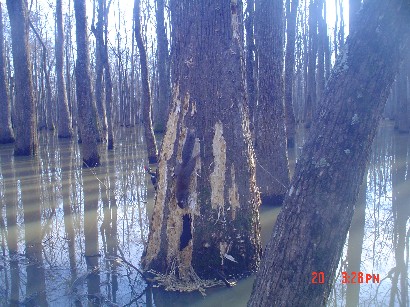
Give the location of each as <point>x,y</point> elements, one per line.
<point>66,179</point>
<point>91,236</point>
<point>272,170</point>
<point>146,99</point>
<point>25,121</point>
<point>354,245</point>
<point>324,188</point>
<point>6,130</point>
<point>10,201</point>
<point>205,216</point>
<point>30,196</point>
<point>64,117</point>
<point>86,105</point>
<point>109,224</point>
<point>401,213</point>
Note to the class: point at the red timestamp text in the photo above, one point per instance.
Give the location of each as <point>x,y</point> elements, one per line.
<point>359,278</point>
<point>318,277</point>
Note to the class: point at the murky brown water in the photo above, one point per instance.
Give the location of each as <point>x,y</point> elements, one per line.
<point>63,229</point>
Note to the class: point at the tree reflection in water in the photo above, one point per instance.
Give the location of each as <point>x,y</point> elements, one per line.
<point>62,228</point>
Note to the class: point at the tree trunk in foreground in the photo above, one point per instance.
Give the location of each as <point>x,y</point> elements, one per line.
<point>145,97</point>
<point>205,221</point>
<point>25,121</point>
<point>86,115</point>
<point>310,230</point>
<point>64,118</point>
<point>272,170</point>
<point>6,130</point>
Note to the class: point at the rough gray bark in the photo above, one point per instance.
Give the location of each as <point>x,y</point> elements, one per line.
<point>205,219</point>
<point>291,13</point>
<point>65,129</point>
<point>310,231</point>
<point>6,129</point>
<point>86,115</point>
<point>25,115</point>
<point>272,170</point>
<point>164,86</point>
<point>145,97</point>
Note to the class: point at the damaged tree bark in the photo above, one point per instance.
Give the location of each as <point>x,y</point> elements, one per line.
<point>205,221</point>
<point>311,229</point>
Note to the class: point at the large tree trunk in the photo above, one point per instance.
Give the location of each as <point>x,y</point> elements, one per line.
<point>205,219</point>
<point>6,130</point>
<point>291,12</point>
<point>25,120</point>
<point>272,170</point>
<point>146,97</point>
<point>164,87</point>
<point>65,129</point>
<point>310,230</point>
<point>86,115</point>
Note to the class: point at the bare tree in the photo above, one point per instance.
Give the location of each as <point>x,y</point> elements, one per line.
<point>25,120</point>
<point>205,219</point>
<point>291,12</point>
<point>6,129</point>
<point>164,87</point>
<point>146,96</point>
<point>272,170</point>
<point>86,115</point>
<point>65,129</point>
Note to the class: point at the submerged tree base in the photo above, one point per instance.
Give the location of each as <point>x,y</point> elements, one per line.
<point>171,282</point>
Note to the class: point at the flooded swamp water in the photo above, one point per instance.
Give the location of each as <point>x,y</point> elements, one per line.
<point>54,213</point>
